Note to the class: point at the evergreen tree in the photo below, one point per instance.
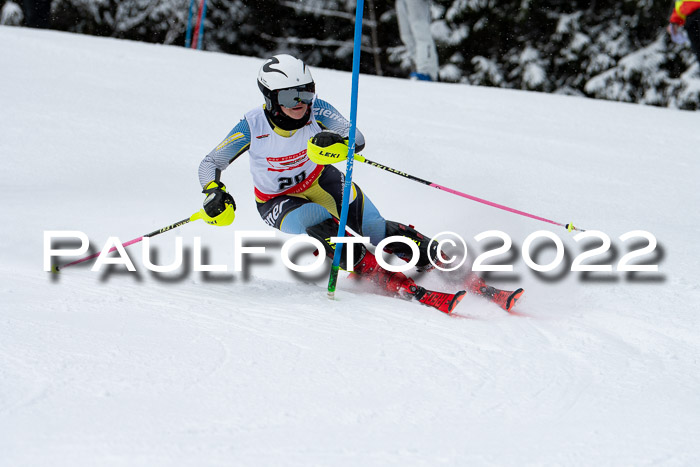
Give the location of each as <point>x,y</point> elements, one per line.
<point>603,49</point>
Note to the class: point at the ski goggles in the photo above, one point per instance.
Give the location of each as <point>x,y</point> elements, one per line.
<point>291,97</point>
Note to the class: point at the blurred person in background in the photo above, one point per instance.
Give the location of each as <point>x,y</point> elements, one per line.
<point>686,14</point>
<point>414,28</point>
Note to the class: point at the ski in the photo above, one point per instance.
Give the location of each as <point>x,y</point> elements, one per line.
<point>445,302</point>
<point>399,285</point>
<point>475,285</point>
<point>506,299</point>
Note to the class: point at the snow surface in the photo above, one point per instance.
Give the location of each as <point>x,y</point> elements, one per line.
<point>141,369</point>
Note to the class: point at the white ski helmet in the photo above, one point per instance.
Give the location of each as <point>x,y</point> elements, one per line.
<point>289,75</point>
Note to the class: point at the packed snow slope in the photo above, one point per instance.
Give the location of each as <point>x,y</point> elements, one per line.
<point>259,367</point>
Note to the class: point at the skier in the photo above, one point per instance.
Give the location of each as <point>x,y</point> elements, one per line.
<point>686,13</point>
<point>414,28</point>
<point>296,195</point>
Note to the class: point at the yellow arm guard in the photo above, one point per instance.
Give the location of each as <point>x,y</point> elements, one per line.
<point>337,152</point>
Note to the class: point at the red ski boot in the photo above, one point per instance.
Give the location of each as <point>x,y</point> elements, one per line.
<point>506,299</point>
<point>397,283</point>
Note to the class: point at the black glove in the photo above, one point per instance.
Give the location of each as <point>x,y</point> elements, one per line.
<point>327,138</point>
<point>217,199</point>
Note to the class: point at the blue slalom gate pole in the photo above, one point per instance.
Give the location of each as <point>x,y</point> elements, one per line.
<point>347,190</point>
<point>188,34</point>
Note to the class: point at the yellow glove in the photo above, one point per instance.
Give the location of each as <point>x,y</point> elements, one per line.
<point>219,206</point>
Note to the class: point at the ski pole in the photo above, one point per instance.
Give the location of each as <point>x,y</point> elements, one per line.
<point>569,227</point>
<point>193,217</point>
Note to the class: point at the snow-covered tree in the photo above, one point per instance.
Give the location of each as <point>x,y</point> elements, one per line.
<point>602,48</point>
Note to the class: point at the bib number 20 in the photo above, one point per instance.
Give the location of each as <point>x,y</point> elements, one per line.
<point>286,182</point>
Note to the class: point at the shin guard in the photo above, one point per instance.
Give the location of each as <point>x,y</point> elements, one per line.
<point>427,250</point>
<point>327,229</point>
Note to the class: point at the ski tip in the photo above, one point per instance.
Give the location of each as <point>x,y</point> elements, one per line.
<point>513,299</point>
<point>455,300</point>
